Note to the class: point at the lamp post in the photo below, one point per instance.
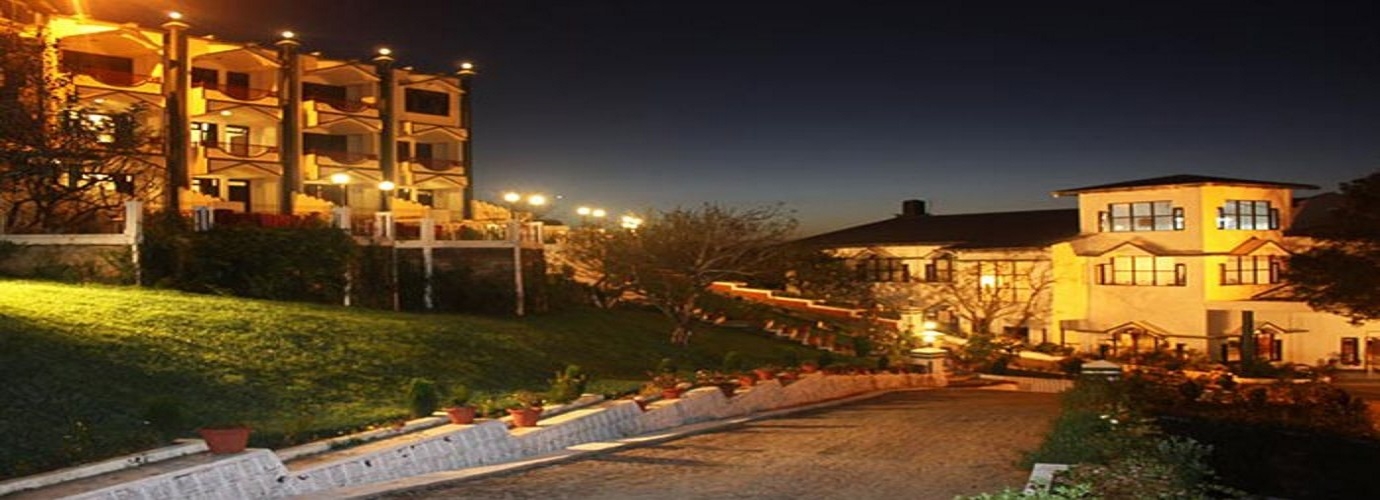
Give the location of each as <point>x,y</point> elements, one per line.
<point>586,212</point>
<point>512,198</point>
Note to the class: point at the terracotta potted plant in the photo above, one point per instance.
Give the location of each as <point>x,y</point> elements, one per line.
<point>669,384</point>
<point>526,409</point>
<point>460,411</point>
<point>224,438</point>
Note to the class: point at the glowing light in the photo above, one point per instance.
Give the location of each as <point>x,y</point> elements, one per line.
<point>630,222</point>
<point>987,281</point>
<point>536,200</point>
<point>226,113</point>
<point>387,186</point>
<point>584,210</point>
<point>467,65</point>
<point>511,197</point>
<point>175,15</point>
<point>385,51</point>
<point>930,325</point>
<point>288,35</point>
<point>598,212</point>
<point>340,178</point>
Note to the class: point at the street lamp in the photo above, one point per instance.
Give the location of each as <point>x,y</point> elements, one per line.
<point>342,180</point>
<point>586,212</point>
<point>630,222</point>
<point>535,201</point>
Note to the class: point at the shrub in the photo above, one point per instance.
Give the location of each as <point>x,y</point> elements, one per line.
<point>460,395</point>
<point>422,398</point>
<point>733,361</point>
<point>568,385</point>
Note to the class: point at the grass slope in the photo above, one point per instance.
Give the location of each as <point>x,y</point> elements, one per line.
<point>82,365</point>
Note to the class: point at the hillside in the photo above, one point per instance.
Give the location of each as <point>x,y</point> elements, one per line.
<point>86,367</point>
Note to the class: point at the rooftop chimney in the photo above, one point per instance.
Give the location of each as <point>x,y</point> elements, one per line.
<point>913,208</point>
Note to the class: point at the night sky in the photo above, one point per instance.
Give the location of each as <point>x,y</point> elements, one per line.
<point>840,110</point>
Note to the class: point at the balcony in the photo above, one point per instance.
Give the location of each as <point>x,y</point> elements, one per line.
<point>242,151</point>
<point>343,158</point>
<point>351,106</point>
<point>239,93</point>
<point>113,78</point>
<point>436,164</point>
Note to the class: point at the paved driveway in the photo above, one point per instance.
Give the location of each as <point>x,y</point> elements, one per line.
<point>907,445</point>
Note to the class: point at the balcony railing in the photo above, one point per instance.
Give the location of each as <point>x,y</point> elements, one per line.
<point>115,78</point>
<point>237,92</point>
<point>345,105</point>
<point>436,164</point>
<point>343,157</point>
<point>242,150</point>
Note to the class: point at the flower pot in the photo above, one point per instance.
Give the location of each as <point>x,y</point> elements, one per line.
<point>225,440</point>
<point>670,393</point>
<point>461,415</point>
<point>746,381</point>
<point>525,417</point>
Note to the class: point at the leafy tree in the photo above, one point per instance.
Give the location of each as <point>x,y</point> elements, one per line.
<point>1340,273</point>
<point>65,165</point>
<point>673,257</point>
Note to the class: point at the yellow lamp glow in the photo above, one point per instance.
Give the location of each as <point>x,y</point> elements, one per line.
<point>387,186</point>
<point>511,197</point>
<point>340,178</point>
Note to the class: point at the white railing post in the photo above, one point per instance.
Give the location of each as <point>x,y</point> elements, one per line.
<point>134,234</point>
<point>202,218</point>
<point>340,218</point>
<point>428,241</point>
<point>383,225</point>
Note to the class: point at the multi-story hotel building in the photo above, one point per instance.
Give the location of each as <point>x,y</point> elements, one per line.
<point>270,129</point>
<point>1181,262</point>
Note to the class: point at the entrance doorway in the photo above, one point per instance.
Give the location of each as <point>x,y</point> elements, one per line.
<point>238,190</point>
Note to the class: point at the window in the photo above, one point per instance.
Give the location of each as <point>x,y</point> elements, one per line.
<point>205,77</point>
<point>940,269</point>
<point>1142,271</point>
<point>1350,353</point>
<point>1251,270</point>
<point>205,134</point>
<point>323,92</point>
<point>1247,214</point>
<point>426,197</point>
<point>426,102</point>
<point>1141,216</point>
<point>237,138</point>
<point>113,70</point>
<point>209,186</point>
<point>883,269</point>
<point>322,143</point>
<point>118,183</point>
<point>1007,279</point>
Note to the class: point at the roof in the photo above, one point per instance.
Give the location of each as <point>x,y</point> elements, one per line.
<point>1314,216</point>
<point>1034,228</point>
<point>1180,180</point>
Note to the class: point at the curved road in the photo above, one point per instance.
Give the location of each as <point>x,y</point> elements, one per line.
<point>914,445</point>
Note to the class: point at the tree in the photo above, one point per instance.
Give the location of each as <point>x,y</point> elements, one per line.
<point>673,257</point>
<point>65,165</point>
<point>1340,273</point>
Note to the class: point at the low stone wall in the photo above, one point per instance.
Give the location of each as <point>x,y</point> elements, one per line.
<point>261,473</point>
<point>1032,384</point>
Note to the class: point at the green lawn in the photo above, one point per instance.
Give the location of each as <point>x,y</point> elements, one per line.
<point>83,365</point>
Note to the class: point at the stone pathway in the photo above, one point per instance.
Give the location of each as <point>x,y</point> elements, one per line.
<point>914,445</point>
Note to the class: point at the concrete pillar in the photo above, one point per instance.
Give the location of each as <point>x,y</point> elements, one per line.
<point>467,148</point>
<point>177,143</point>
<point>290,130</point>
<point>388,135</point>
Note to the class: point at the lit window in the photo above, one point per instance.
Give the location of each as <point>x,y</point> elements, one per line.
<point>1142,271</point>
<point>1251,270</point>
<point>883,269</point>
<point>1253,215</point>
<point>1141,216</point>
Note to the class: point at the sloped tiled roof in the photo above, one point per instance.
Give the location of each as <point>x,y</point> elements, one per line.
<point>1180,180</point>
<point>1034,228</point>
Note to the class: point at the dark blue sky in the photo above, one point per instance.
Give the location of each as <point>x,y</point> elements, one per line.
<point>840,110</point>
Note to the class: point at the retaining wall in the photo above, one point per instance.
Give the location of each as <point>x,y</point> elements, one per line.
<point>262,474</point>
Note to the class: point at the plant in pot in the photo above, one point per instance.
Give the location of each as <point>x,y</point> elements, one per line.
<point>459,410</point>
<point>568,385</point>
<point>525,408</point>
<point>226,436</point>
<point>669,383</point>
